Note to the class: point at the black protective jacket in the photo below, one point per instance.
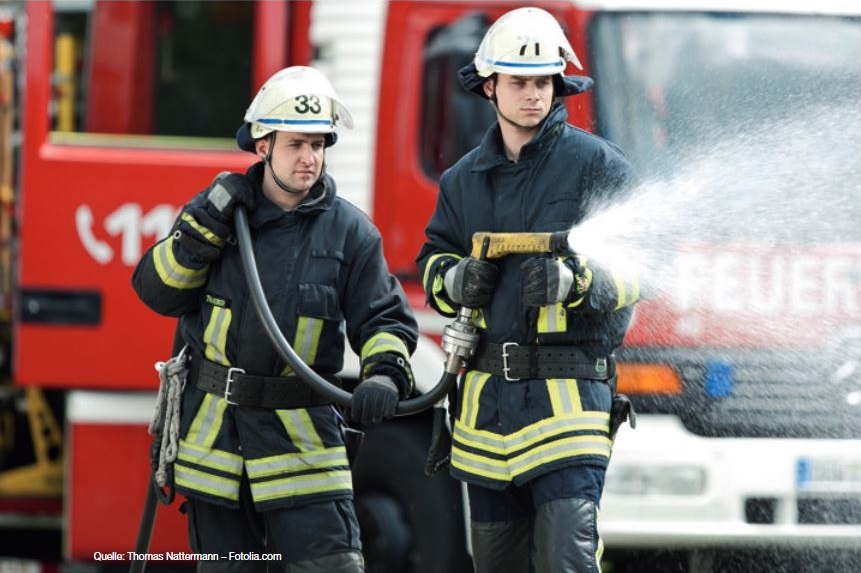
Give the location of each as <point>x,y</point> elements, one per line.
<point>512,431</point>
<point>324,275</point>
<point>560,174</point>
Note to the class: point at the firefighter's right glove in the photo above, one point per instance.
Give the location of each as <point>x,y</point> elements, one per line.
<point>471,282</point>
<point>227,191</point>
<point>374,399</point>
<point>206,223</point>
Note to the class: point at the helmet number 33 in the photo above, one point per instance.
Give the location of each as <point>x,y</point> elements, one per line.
<point>308,104</point>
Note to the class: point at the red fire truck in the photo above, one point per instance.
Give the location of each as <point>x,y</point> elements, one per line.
<point>115,112</point>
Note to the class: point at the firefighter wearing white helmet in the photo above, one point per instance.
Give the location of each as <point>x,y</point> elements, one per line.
<point>525,42</point>
<point>297,99</point>
<point>262,457</point>
<point>534,429</point>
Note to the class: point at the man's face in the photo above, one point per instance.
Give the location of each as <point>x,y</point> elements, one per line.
<point>523,100</point>
<point>297,158</point>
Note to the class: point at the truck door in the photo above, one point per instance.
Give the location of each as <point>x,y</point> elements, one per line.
<point>140,114</point>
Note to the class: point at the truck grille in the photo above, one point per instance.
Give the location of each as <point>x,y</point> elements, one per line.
<point>758,394</point>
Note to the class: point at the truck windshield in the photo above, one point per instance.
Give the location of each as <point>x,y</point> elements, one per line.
<point>671,84</point>
<point>760,112</point>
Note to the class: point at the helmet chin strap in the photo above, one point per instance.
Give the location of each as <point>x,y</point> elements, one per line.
<point>495,105</point>
<point>268,162</point>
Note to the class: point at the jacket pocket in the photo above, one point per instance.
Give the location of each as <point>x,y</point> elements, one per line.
<point>319,301</point>
<point>325,266</point>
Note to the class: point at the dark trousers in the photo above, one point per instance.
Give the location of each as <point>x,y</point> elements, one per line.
<point>547,524</point>
<point>299,534</point>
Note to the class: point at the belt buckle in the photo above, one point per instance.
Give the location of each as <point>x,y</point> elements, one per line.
<point>231,372</point>
<point>505,368</point>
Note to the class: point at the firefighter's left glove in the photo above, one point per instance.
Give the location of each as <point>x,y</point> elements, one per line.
<point>546,281</point>
<point>374,399</point>
<point>227,191</point>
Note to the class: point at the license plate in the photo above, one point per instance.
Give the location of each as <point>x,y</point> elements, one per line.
<point>827,475</point>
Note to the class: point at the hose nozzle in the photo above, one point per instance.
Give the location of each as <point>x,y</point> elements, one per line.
<point>503,244</point>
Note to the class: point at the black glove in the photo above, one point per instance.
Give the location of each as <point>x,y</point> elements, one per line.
<point>226,191</point>
<point>547,281</point>
<point>374,399</point>
<point>471,282</point>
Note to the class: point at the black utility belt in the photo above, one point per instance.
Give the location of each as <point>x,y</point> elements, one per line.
<point>517,362</point>
<point>241,389</point>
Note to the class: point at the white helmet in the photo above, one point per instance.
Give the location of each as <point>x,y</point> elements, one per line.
<point>298,99</point>
<point>525,42</point>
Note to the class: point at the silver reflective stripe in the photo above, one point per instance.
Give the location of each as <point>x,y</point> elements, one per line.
<point>300,428</point>
<point>213,485</point>
<point>530,435</point>
<point>566,448</point>
<point>207,422</point>
<point>215,335</point>
<point>171,272</point>
<point>472,387</point>
<point>215,459</point>
<point>564,396</point>
<point>305,345</point>
<point>478,465</point>
<point>329,458</point>
<point>384,342</point>
<point>302,485</point>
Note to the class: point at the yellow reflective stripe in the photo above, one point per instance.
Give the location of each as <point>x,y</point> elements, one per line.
<point>384,342</point>
<point>478,318</point>
<point>531,434</point>
<point>307,341</point>
<point>552,318</point>
<point>215,335</point>
<point>576,303</point>
<point>620,290</point>
<point>308,338</point>
<point>335,457</point>
<point>204,232</point>
<point>171,272</point>
<point>473,384</point>
<point>479,465</point>
<point>300,428</point>
<point>217,486</point>
<point>207,421</point>
<point>430,264</point>
<point>564,396</point>
<point>627,289</point>
<point>633,289</point>
<point>440,302</point>
<point>437,286</point>
<point>307,484</point>
<point>574,446</point>
<point>493,468</point>
<point>215,459</point>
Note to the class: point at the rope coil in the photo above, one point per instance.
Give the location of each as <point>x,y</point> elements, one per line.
<point>165,420</point>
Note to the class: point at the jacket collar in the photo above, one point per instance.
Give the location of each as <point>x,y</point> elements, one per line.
<point>319,199</point>
<point>492,154</point>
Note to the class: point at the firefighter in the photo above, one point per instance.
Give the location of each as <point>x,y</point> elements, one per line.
<point>262,457</point>
<point>532,430</point>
